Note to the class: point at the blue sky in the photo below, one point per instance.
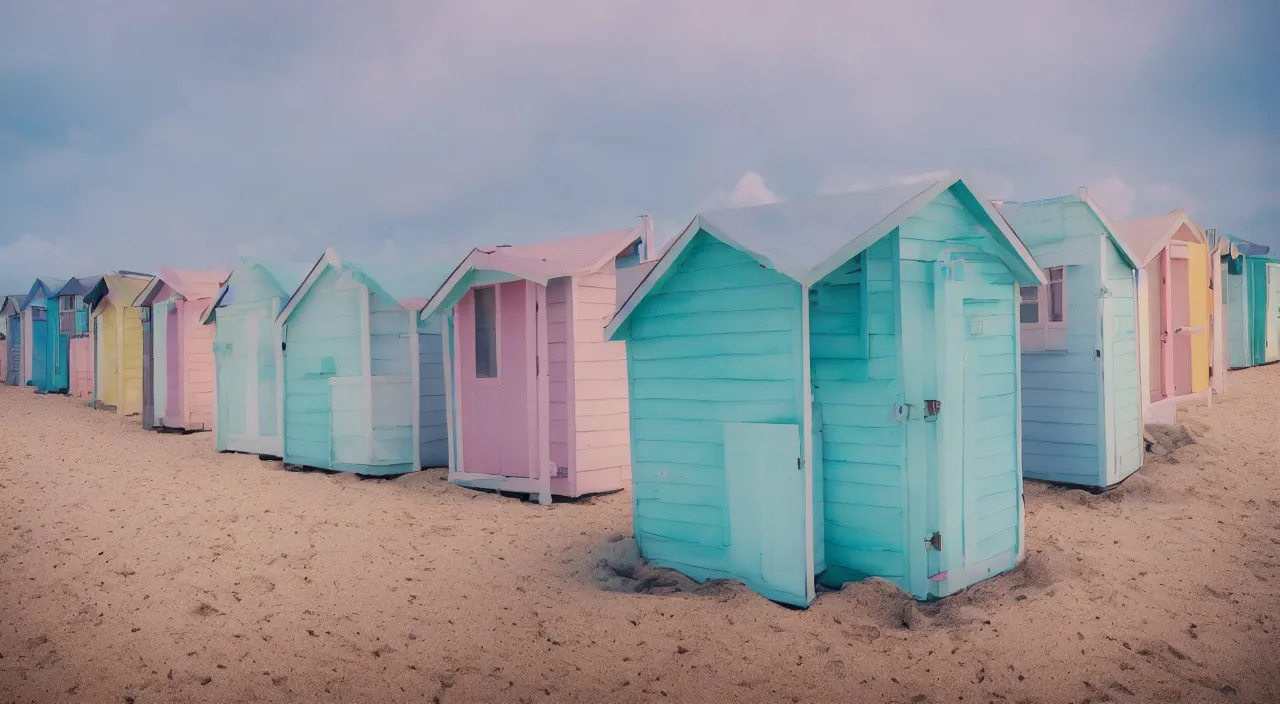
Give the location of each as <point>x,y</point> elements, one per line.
<point>142,133</point>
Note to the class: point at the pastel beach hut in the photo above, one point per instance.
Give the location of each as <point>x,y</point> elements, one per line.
<point>1081,384</point>
<point>538,397</point>
<point>44,357</point>
<point>73,321</point>
<point>829,388</point>
<point>116,332</point>
<point>1252,301</point>
<point>177,350</point>
<point>246,344</point>
<point>356,367</point>
<point>11,323</point>
<point>1173,311</point>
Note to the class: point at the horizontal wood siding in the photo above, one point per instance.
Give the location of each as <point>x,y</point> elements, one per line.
<point>433,432</point>
<point>392,412</point>
<point>602,427</point>
<point>131,363</point>
<point>1122,368</point>
<point>713,344</point>
<point>857,388</point>
<point>1061,439</point>
<point>198,387</point>
<point>560,385</point>
<point>322,340</point>
<point>1236,302</point>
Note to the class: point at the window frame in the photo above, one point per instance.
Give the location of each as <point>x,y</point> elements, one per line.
<point>1046,334</point>
<point>496,355</point>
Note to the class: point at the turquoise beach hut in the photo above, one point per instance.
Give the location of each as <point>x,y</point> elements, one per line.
<point>353,359</point>
<point>245,349</point>
<point>1081,389</point>
<point>11,320</point>
<point>1252,301</point>
<point>829,389</point>
<point>44,346</point>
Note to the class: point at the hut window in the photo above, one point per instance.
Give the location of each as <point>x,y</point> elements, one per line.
<point>67,315</point>
<point>486,301</point>
<point>1042,314</point>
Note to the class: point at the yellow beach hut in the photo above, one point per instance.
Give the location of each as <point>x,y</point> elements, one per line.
<point>116,332</point>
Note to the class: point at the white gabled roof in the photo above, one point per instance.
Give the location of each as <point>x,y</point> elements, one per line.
<point>807,239</point>
<point>1147,236</point>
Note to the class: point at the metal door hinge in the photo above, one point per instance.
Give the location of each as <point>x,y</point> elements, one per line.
<point>800,463</point>
<point>934,542</point>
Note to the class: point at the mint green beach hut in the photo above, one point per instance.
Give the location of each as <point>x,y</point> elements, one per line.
<point>828,390</point>
<point>1081,386</point>
<point>358,370</point>
<point>246,344</point>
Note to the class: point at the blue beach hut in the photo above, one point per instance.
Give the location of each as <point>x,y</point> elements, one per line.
<point>11,320</point>
<point>829,388</point>
<point>353,359</point>
<point>245,349</point>
<point>1081,386</point>
<point>44,347</point>
<point>1251,298</point>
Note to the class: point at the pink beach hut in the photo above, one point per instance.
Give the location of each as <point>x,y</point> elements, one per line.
<point>177,350</point>
<point>1174,302</point>
<point>536,398</point>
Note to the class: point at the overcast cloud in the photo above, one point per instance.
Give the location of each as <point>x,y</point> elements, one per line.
<point>142,133</point>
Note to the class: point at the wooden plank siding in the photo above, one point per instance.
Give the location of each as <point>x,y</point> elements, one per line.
<point>712,345</point>
<point>1121,368</point>
<point>602,427</point>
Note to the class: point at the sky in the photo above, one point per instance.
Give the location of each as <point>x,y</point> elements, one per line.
<point>144,133</point>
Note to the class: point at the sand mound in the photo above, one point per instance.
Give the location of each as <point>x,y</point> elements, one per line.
<point>618,567</point>
<point>1162,440</point>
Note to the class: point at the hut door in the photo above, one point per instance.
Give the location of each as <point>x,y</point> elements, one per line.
<point>148,367</point>
<point>765,480</point>
<point>1272,308</point>
<point>39,341</point>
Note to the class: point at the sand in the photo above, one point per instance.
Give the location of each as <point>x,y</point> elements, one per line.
<point>137,567</point>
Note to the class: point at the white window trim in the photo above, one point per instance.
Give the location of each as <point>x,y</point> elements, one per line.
<point>1045,335</point>
<point>496,379</point>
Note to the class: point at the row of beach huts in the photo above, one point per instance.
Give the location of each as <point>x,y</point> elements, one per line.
<point>814,391</point>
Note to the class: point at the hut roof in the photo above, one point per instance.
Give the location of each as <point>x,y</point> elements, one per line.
<point>1147,236</point>
<point>286,277</point>
<point>807,239</point>
<point>191,285</point>
<point>1024,217</point>
<point>396,283</point>
<point>79,285</point>
<point>571,256</point>
<point>49,287</point>
<point>117,287</point>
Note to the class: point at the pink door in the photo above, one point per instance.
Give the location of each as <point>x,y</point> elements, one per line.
<point>495,329</point>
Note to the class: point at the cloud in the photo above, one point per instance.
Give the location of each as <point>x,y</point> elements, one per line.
<point>150,133</point>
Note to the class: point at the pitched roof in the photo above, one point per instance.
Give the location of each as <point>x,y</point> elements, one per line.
<point>397,283</point>
<point>117,286</point>
<point>571,256</point>
<point>808,239</point>
<point>49,287</point>
<point>79,285</point>
<point>1242,247</point>
<point>11,304</point>
<point>1036,224</point>
<point>191,285</point>
<point>1147,236</point>
<point>285,277</point>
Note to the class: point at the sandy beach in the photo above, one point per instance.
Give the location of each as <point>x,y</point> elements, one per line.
<point>138,567</point>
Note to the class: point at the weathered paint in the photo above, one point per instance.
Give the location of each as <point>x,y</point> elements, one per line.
<point>851,353</point>
<point>555,295</point>
<point>11,318</point>
<point>117,342</point>
<point>246,342</point>
<point>1081,405</point>
<point>351,364</point>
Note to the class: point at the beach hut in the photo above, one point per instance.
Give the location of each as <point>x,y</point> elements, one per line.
<point>830,387</point>
<point>353,359</point>
<point>1081,386</point>
<point>245,346</point>
<point>44,349</point>
<point>177,350</point>
<point>11,323</point>
<point>73,321</point>
<point>1173,311</point>
<point>1252,300</point>
<point>116,333</point>
<point>538,396</point>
